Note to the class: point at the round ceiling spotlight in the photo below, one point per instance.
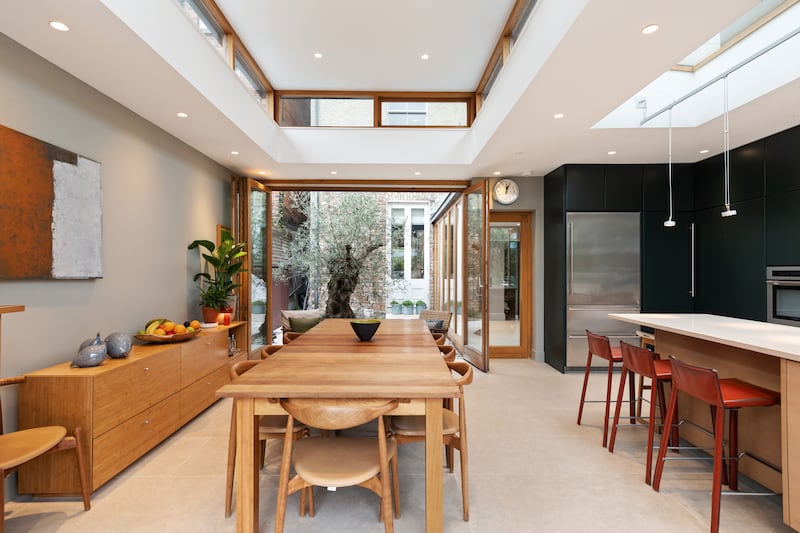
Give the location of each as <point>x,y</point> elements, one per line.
<point>58,25</point>
<point>650,28</point>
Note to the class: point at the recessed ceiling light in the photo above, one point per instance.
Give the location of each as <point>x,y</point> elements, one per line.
<point>496,173</point>
<point>704,151</point>
<point>424,57</point>
<point>558,115</point>
<point>333,172</point>
<point>417,173</point>
<point>317,55</point>
<point>262,172</point>
<point>650,28</point>
<point>60,26</point>
<point>612,152</point>
<point>234,152</point>
<point>182,114</point>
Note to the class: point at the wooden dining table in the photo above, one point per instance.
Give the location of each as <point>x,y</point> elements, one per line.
<point>401,362</point>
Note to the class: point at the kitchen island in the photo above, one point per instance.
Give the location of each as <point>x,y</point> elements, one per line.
<point>764,354</point>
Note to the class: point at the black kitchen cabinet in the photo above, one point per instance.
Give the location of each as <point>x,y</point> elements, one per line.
<point>623,191</point>
<point>666,263</point>
<point>585,186</point>
<point>782,161</point>
<point>709,186</point>
<point>782,229</point>
<point>555,327</point>
<point>747,172</point>
<point>655,185</point>
<point>730,261</point>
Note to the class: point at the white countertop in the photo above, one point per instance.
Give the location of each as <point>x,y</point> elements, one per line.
<point>772,339</point>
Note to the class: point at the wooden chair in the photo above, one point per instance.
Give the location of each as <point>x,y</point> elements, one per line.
<point>439,338</point>
<point>19,447</point>
<point>448,353</point>
<point>431,315</point>
<point>270,349</point>
<point>339,461</point>
<point>269,427</point>
<point>454,428</point>
<point>289,336</point>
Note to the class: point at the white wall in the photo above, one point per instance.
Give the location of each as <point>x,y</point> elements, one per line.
<point>158,195</point>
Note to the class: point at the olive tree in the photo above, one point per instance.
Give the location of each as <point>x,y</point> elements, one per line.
<point>337,248</point>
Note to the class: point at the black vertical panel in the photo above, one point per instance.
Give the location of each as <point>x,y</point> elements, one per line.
<point>555,327</point>
<point>708,183</point>
<point>585,187</point>
<point>655,185</point>
<point>783,228</point>
<point>711,294</point>
<point>623,187</point>
<point>745,270</point>
<point>747,172</point>
<point>783,161</point>
<point>666,263</point>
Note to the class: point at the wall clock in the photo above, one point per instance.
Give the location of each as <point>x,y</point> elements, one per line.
<point>506,191</point>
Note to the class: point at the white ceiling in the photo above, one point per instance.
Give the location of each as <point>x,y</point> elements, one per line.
<point>582,58</point>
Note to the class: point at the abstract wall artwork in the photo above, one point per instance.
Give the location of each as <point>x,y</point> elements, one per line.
<point>50,211</point>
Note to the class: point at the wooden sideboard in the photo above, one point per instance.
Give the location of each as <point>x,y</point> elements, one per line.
<point>124,406</point>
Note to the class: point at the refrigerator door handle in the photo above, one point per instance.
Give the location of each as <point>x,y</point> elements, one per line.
<point>570,257</point>
<point>692,266</point>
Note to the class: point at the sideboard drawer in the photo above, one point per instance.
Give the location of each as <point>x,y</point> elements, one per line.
<point>206,353</point>
<point>125,391</point>
<point>199,395</point>
<point>118,448</point>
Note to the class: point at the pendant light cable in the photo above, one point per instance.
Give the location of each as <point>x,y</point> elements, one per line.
<point>669,223</point>
<point>726,150</point>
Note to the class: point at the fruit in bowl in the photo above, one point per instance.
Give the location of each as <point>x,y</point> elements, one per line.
<point>365,328</point>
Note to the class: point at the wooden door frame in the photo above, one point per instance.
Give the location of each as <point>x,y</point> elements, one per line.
<point>525,286</point>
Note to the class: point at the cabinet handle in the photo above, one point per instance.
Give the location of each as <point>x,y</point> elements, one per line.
<point>147,369</point>
<point>146,422</point>
<point>691,235</point>
<point>571,279</point>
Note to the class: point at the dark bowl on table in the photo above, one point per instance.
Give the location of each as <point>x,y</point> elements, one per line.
<point>365,328</point>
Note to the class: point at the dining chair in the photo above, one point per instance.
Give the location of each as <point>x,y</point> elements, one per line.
<point>437,321</point>
<point>270,349</point>
<point>339,461</point>
<point>289,336</point>
<point>19,447</point>
<point>411,428</point>
<point>269,427</point>
<point>439,338</point>
<point>448,353</point>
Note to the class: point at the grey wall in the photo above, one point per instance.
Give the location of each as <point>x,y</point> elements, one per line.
<point>158,195</point>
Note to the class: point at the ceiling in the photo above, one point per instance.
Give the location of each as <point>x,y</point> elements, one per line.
<point>582,58</point>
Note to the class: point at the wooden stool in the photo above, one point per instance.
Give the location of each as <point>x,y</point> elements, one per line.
<point>723,395</point>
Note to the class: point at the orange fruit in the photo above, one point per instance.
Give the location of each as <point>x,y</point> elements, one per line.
<point>159,331</point>
<point>179,328</point>
<point>168,326</point>
<point>195,324</point>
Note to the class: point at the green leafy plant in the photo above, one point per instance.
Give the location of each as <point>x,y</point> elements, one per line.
<point>420,303</point>
<point>408,303</point>
<point>225,262</point>
<point>394,302</point>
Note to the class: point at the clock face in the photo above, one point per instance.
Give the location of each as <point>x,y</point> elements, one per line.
<point>506,191</point>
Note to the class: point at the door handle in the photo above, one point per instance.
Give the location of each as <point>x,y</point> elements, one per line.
<point>692,266</point>
<point>570,257</point>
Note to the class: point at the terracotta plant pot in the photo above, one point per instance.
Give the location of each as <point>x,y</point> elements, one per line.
<point>210,315</point>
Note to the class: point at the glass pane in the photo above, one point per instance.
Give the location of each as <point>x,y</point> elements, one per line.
<point>423,113</point>
<point>260,330</point>
<point>344,112</point>
<point>504,270</point>
<point>474,258</point>
<point>417,243</point>
<point>249,80</point>
<point>204,22</point>
<point>398,244</point>
<point>456,290</point>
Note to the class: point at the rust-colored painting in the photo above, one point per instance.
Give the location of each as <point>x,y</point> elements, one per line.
<point>50,211</point>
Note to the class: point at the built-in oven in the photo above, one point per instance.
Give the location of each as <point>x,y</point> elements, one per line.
<point>783,295</point>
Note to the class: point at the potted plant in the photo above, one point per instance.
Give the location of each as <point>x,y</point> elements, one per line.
<point>396,307</point>
<point>259,307</point>
<point>217,283</point>
<point>408,307</point>
<point>420,306</point>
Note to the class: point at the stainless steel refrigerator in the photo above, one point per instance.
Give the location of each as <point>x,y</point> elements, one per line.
<point>603,276</point>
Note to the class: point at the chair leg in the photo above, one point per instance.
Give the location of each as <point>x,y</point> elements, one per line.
<point>632,397</point>
<point>608,402</point>
<point>585,382</point>
<point>85,489</point>
<point>716,489</point>
<point>733,449</point>
<point>651,427</point>
<point>662,449</point>
<point>2,501</point>
<point>231,465</point>
<point>395,484</point>
<point>283,478</point>
<point>617,409</point>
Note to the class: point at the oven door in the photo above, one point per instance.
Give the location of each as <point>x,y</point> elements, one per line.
<point>783,302</point>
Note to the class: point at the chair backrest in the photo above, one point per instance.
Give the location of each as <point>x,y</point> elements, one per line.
<point>448,353</point>
<point>599,345</point>
<point>3,382</point>
<point>289,336</point>
<point>638,360</point>
<point>439,338</point>
<point>241,367</point>
<point>336,413</point>
<point>701,383</point>
<point>444,316</point>
<point>288,315</point>
<point>462,368</point>
<point>270,349</point>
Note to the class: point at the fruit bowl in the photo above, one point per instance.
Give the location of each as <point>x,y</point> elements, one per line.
<point>177,337</point>
<point>365,328</point>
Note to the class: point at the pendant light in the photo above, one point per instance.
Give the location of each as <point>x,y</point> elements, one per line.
<point>726,150</point>
<point>669,223</point>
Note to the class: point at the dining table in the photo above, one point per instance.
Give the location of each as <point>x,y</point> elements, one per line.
<point>401,361</point>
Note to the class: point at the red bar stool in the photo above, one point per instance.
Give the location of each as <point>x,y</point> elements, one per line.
<point>723,395</point>
<point>601,347</point>
<point>641,361</point>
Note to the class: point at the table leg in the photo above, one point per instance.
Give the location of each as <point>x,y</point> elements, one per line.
<point>247,449</point>
<point>433,466</point>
